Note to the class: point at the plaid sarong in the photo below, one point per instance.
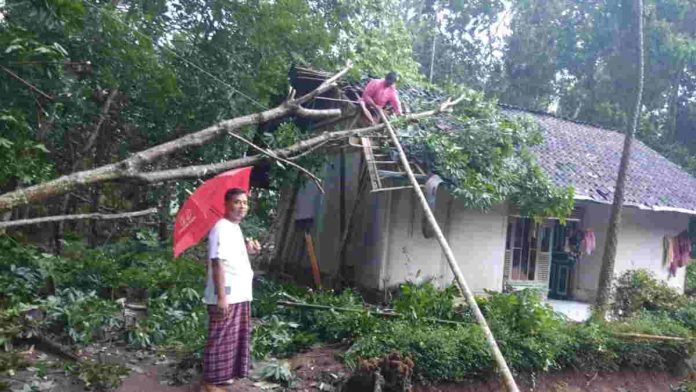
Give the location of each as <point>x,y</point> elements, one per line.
<point>226,355</point>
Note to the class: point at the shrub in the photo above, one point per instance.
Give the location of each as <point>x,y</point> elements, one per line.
<point>176,317</point>
<point>23,272</point>
<point>425,300</point>
<point>85,316</point>
<point>278,372</point>
<point>530,334</point>
<point>280,338</point>
<point>439,352</point>
<point>690,285</point>
<point>590,348</point>
<point>331,325</point>
<point>686,315</point>
<point>636,290</point>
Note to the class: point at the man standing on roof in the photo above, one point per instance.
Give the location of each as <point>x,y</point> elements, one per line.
<point>378,93</point>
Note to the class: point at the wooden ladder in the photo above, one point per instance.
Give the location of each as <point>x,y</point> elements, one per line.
<point>381,166</point>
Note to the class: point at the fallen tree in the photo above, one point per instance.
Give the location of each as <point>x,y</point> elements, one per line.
<point>130,168</point>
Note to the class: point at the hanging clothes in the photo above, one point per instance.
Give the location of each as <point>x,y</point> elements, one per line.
<point>667,251</point>
<point>431,187</point>
<point>589,242</point>
<point>678,252</point>
<point>682,249</point>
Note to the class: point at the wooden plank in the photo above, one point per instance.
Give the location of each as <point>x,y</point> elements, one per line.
<point>313,260</point>
<point>395,188</point>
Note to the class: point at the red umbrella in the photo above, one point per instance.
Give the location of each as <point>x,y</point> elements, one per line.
<point>205,207</point>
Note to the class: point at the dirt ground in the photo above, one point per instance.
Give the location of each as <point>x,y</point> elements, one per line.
<point>318,369</point>
<point>313,368</point>
<point>624,381</point>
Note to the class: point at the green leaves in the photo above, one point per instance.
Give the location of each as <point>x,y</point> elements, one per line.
<point>22,160</point>
<point>485,155</point>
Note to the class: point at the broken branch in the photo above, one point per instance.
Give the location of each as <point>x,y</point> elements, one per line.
<point>59,218</point>
<point>270,153</point>
<point>381,313</point>
<point>29,85</point>
<point>199,171</point>
<point>650,337</point>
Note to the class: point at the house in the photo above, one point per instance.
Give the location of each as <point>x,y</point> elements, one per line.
<point>371,235</point>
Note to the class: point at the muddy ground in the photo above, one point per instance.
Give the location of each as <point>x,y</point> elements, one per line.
<point>318,369</point>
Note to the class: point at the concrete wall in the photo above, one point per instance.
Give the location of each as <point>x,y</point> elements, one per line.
<point>387,245</point>
<point>640,246</point>
<point>477,239</point>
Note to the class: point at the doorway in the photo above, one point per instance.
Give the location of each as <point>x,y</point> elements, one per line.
<point>563,260</point>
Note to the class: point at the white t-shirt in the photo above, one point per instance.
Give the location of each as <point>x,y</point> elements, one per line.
<point>226,242</point>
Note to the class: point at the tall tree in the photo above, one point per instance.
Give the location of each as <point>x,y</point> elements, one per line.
<point>634,8</point>
<point>569,57</point>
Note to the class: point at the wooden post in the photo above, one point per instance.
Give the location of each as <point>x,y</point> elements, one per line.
<point>313,260</point>
<point>461,282</point>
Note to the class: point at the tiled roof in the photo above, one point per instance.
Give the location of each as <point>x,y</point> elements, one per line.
<point>587,158</point>
<point>583,156</point>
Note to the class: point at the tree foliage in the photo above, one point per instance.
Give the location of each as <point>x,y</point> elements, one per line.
<point>575,56</point>
<point>486,156</point>
<point>175,67</point>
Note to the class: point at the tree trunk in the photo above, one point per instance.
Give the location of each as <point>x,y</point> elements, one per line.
<point>432,57</point>
<point>607,272</point>
<point>164,218</point>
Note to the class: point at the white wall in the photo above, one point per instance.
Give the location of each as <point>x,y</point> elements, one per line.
<point>639,247</point>
<point>477,239</point>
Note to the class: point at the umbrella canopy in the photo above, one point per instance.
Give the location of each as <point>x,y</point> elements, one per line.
<point>205,207</point>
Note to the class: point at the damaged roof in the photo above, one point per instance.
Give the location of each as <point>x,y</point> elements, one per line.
<point>575,154</point>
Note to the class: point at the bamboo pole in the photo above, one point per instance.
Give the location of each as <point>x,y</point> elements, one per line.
<point>382,313</point>
<point>641,336</point>
<point>461,282</point>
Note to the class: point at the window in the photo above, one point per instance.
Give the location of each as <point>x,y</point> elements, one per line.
<point>524,240</point>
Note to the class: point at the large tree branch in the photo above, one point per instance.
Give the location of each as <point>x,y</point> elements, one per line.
<point>199,171</point>
<point>122,170</point>
<point>59,218</point>
<point>130,167</point>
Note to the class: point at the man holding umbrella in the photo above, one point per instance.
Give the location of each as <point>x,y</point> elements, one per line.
<point>228,296</point>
